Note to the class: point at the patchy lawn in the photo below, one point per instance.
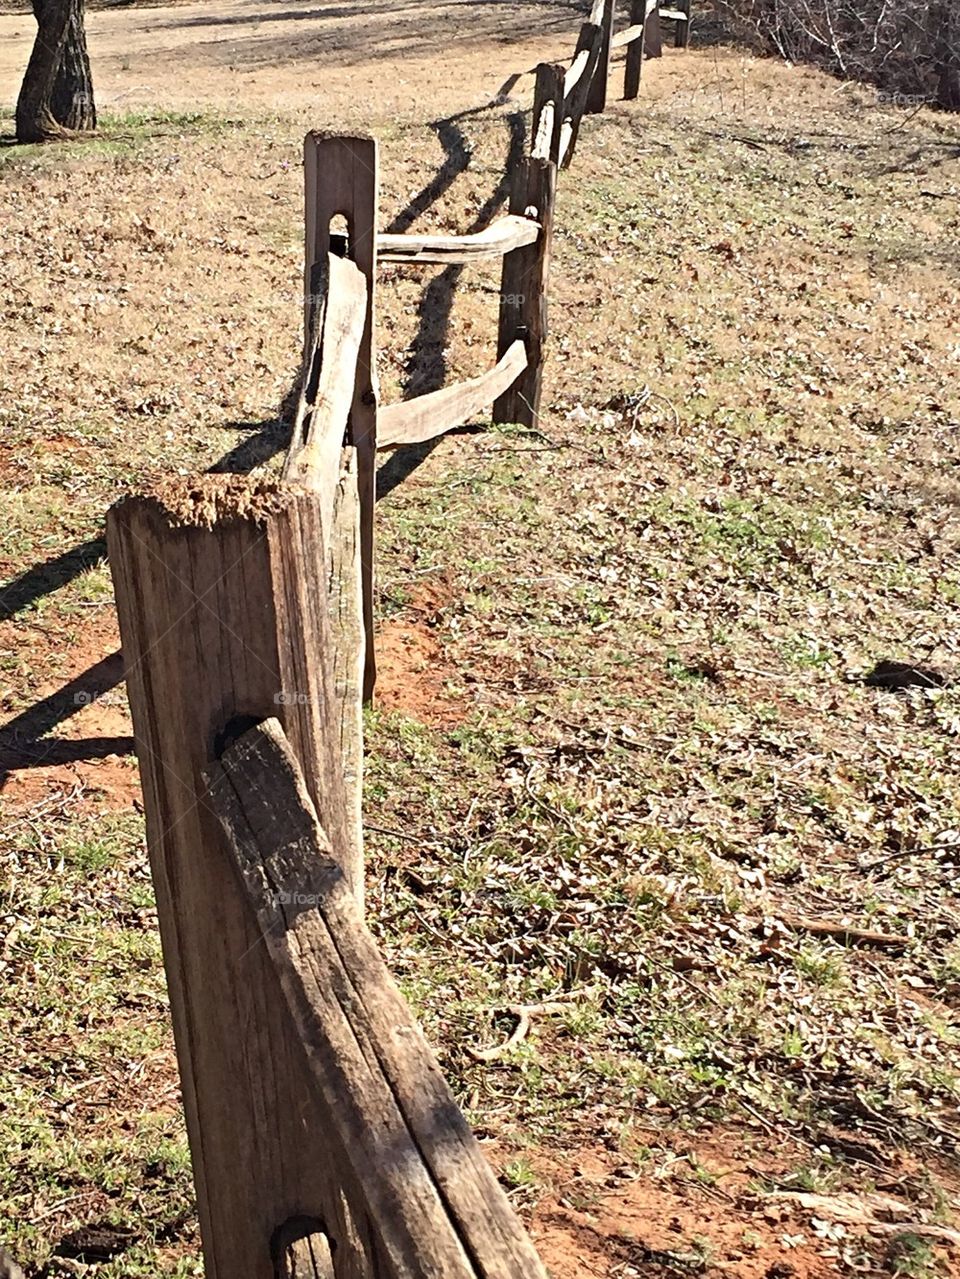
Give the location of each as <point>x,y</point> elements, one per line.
<point>668,686</point>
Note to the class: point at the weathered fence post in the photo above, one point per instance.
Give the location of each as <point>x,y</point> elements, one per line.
<point>576,86</point>
<point>597,96</point>
<point>652,31</point>
<point>681,36</point>
<point>547,122</point>
<point>224,622</point>
<point>523,290</point>
<point>341,181</point>
<point>633,71</point>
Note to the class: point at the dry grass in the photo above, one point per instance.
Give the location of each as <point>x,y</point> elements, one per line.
<point>641,739</point>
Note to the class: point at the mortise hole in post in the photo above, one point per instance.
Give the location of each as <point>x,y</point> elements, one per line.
<point>340,236</point>
<point>301,1249</point>
<point>232,731</point>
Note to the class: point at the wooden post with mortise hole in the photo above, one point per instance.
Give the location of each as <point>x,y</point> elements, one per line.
<point>340,176</point>
<point>523,290</point>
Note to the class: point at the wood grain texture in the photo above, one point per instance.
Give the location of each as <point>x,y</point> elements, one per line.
<point>222,617</point>
<point>345,602</point>
<point>320,425</point>
<point>433,1205</point>
<point>492,242</point>
<point>340,179</point>
<point>434,414</point>
<point>523,291</point>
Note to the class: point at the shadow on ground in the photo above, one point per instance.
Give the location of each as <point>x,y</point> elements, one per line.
<point>23,740</point>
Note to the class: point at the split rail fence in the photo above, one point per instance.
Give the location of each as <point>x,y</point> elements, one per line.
<point>325,1141</point>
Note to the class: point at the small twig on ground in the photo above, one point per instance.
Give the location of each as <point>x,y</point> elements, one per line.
<point>524,1013</point>
<point>846,932</point>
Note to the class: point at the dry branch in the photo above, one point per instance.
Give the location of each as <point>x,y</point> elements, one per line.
<point>847,932</point>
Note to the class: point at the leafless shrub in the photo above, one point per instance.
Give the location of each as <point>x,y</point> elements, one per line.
<point>909,48</point>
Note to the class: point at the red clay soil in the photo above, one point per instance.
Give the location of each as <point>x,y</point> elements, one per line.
<point>700,1208</point>
<point>412,670</point>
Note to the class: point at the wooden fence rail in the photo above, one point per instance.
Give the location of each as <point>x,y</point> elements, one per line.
<point>324,1139</point>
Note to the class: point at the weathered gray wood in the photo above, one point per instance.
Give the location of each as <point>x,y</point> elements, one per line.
<point>341,179</point>
<point>576,87</point>
<point>327,385</point>
<point>413,421</point>
<point>224,619</point>
<point>344,592</point>
<point>434,1207</point>
<point>597,94</point>
<point>627,36</point>
<point>548,101</point>
<point>523,291</point>
<point>318,460</point>
<point>492,242</point>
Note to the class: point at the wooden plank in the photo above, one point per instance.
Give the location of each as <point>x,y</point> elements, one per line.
<point>345,597</point>
<point>627,36</point>
<point>523,291</point>
<point>341,180</point>
<point>224,620</point>
<point>434,414</point>
<point>548,111</point>
<point>575,93</point>
<point>435,1209</point>
<point>492,242</point>
<point>577,69</point>
<point>327,387</point>
<point>597,93</point>
<point>318,460</point>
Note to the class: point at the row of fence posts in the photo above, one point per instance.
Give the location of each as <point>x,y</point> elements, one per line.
<point>325,1141</point>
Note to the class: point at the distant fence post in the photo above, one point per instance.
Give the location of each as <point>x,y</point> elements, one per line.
<point>523,290</point>
<point>548,101</point>
<point>681,38</point>
<point>340,176</point>
<point>597,96</point>
<point>652,31</point>
<point>633,71</point>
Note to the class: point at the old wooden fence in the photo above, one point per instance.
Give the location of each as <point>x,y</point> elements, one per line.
<point>325,1141</point>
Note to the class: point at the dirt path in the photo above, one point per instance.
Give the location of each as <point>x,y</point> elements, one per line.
<point>365,61</point>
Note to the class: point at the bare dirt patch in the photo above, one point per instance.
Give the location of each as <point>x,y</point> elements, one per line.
<point>412,670</point>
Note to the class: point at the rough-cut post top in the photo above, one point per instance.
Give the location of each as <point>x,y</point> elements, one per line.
<point>202,501</point>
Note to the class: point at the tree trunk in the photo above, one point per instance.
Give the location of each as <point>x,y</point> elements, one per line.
<point>57,93</point>
<point>946,52</point>
<point>72,102</point>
